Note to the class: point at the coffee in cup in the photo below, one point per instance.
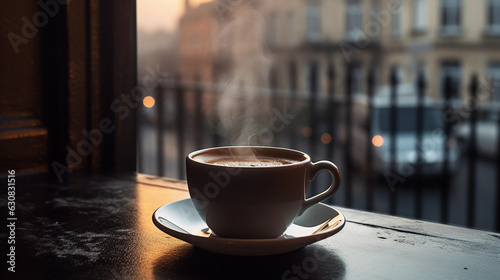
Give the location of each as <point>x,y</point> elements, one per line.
<point>253,191</point>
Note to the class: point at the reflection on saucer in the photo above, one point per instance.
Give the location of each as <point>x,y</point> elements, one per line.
<point>180,219</point>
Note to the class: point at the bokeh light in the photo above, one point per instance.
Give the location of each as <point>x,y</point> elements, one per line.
<point>306,131</point>
<point>326,138</point>
<point>148,101</point>
<point>377,140</point>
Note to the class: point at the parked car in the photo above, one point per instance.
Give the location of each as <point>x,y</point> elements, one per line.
<point>406,159</point>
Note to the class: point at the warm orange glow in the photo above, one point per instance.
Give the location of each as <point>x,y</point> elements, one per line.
<point>148,101</point>
<point>326,138</point>
<point>146,251</point>
<point>306,131</point>
<point>377,140</point>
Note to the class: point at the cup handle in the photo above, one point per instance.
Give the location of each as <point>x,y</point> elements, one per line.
<point>334,186</point>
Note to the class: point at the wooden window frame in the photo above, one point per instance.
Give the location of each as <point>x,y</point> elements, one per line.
<point>88,70</point>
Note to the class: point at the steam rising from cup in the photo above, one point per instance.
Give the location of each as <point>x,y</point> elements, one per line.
<point>242,108</point>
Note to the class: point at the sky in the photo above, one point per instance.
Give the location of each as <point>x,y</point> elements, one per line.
<point>160,14</point>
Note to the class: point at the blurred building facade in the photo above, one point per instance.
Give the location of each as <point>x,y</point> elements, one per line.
<point>315,41</point>
<point>197,31</point>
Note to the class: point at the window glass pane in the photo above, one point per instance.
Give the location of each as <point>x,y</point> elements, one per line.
<point>354,19</point>
<point>312,78</point>
<point>240,50</point>
<point>451,15</point>
<point>356,78</point>
<point>313,22</point>
<point>419,14</point>
<point>396,28</point>
<point>450,69</point>
<point>494,13</point>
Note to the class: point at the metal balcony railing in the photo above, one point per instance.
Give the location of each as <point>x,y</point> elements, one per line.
<point>327,126</point>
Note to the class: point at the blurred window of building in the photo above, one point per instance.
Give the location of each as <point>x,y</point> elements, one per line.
<point>357,78</point>
<point>273,78</point>
<point>494,77</point>
<point>374,17</point>
<point>273,30</point>
<point>396,25</point>
<point>293,76</point>
<point>451,11</point>
<point>312,75</point>
<point>292,33</point>
<point>400,73</point>
<point>452,69</point>
<point>493,27</point>
<point>419,69</point>
<point>313,22</point>
<point>354,20</point>
<point>419,16</point>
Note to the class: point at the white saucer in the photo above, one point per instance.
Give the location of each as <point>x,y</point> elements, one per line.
<point>181,220</point>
